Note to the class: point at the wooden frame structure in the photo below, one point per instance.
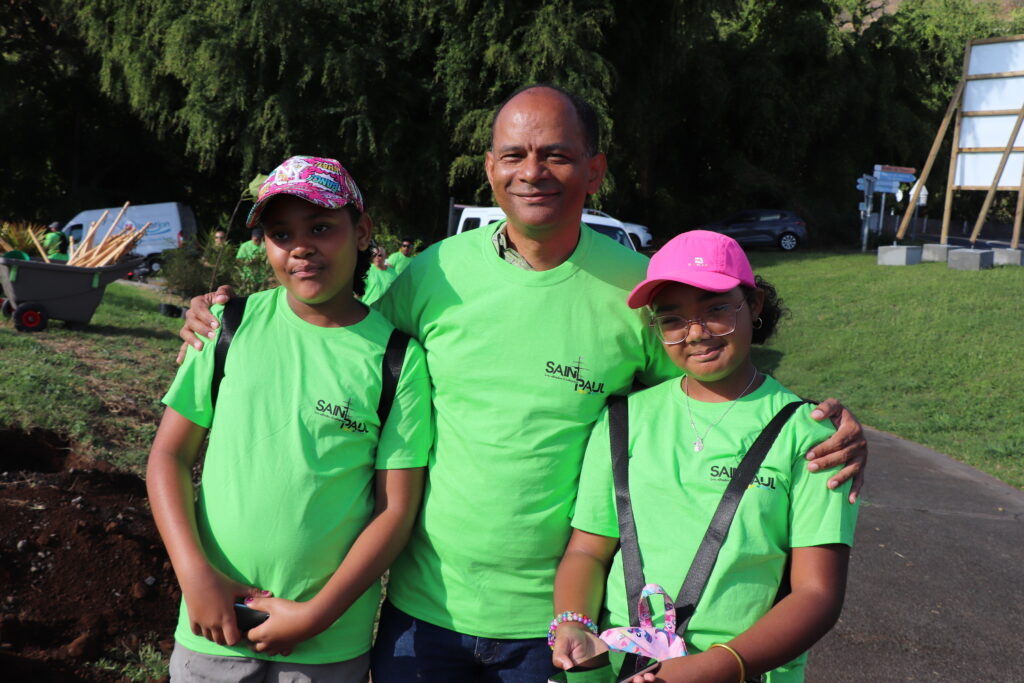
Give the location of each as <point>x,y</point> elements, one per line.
<point>964,161</point>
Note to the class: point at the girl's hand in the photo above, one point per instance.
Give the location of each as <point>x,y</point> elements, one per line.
<point>290,623</point>
<point>706,667</point>
<point>209,598</point>
<point>574,644</point>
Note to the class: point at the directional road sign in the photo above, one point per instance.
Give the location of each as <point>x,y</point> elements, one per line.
<point>898,177</point>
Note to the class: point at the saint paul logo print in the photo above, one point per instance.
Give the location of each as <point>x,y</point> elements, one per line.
<point>577,374</point>
<point>341,413</point>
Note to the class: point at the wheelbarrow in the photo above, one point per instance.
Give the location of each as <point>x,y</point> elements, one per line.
<point>36,292</point>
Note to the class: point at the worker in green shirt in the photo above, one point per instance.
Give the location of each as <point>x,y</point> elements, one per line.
<point>247,251</point>
<point>55,243</point>
<point>401,259</point>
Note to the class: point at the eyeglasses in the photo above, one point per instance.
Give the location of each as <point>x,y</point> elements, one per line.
<point>718,321</point>
<point>406,246</point>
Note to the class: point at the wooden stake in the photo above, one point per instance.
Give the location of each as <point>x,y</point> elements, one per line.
<point>87,240</point>
<point>1020,210</point>
<point>954,104</point>
<point>955,152</point>
<point>999,174</point>
<point>71,248</point>
<point>39,246</point>
<point>117,218</point>
<point>947,207</point>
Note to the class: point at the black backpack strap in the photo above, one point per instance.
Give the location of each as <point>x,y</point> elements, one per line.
<point>391,370</point>
<point>629,544</point>
<point>632,567</point>
<point>234,309</point>
<point>707,553</point>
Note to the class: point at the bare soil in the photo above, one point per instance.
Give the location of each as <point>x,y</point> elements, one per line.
<point>83,574</point>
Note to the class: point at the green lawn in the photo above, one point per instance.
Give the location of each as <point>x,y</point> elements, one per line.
<point>98,387</point>
<point>925,352</point>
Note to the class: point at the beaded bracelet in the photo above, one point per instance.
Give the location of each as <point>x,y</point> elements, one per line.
<point>569,616</point>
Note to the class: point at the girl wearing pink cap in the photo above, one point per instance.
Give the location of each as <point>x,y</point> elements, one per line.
<point>690,476</point>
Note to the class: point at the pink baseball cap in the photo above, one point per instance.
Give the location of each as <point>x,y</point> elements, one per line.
<point>318,180</point>
<point>700,258</point>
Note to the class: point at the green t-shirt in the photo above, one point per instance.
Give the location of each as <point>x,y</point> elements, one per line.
<point>675,491</point>
<point>521,363</point>
<point>377,282</point>
<point>399,262</point>
<point>51,243</point>
<point>248,250</point>
<point>288,478</point>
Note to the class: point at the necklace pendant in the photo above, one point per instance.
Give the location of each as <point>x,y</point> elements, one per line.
<point>698,445</point>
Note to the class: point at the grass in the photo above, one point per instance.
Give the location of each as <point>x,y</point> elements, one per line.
<point>925,352</point>
<point>145,664</point>
<point>98,387</point>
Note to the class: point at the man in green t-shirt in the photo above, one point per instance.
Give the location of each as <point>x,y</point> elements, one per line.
<point>55,243</point>
<point>527,332</point>
<point>401,259</point>
<point>247,251</point>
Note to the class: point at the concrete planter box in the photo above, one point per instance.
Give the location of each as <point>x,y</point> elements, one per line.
<point>971,259</point>
<point>935,253</point>
<point>1009,257</point>
<point>899,256</point>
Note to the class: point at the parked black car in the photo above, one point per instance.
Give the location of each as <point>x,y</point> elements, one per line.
<point>763,227</point>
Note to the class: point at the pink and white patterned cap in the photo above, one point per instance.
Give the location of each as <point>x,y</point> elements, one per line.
<point>318,180</point>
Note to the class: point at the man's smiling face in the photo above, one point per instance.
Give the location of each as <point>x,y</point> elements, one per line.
<point>538,165</point>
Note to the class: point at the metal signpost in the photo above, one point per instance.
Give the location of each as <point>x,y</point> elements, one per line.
<point>886,180</point>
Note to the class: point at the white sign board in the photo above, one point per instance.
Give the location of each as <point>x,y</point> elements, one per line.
<point>993,95</point>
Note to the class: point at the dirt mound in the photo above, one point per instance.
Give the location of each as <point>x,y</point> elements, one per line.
<point>83,574</point>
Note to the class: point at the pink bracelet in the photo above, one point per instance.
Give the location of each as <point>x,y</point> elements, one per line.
<point>569,616</point>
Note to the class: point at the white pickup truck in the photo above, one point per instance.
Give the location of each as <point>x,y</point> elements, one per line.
<point>474,216</point>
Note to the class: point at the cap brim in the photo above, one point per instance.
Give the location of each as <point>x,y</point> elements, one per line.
<point>257,209</point>
<point>644,292</point>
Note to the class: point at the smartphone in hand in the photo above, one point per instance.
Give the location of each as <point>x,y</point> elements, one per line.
<point>248,617</point>
<point>599,669</point>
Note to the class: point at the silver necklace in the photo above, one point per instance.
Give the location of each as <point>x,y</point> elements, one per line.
<point>698,445</point>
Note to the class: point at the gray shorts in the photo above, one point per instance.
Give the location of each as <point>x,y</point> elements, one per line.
<point>188,666</point>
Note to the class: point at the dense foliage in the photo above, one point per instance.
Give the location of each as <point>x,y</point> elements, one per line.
<point>708,105</point>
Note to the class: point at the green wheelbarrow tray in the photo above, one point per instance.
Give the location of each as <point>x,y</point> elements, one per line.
<point>60,291</point>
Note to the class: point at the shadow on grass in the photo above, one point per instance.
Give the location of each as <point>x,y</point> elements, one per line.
<point>762,258</point>
<point>113,331</point>
<point>767,360</point>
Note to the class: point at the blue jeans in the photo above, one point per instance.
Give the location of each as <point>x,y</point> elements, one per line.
<point>409,649</point>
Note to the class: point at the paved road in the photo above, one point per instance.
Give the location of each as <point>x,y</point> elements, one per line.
<point>936,590</point>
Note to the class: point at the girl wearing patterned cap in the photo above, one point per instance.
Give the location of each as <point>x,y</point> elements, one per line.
<point>314,470</point>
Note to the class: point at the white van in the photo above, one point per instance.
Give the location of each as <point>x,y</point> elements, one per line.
<point>170,225</point>
<point>475,216</point>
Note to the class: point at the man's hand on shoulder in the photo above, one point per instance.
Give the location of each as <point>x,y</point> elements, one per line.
<point>199,320</point>
<point>848,446</point>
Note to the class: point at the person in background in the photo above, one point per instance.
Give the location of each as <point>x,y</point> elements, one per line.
<point>247,251</point>
<point>220,238</point>
<point>401,259</point>
<point>379,277</point>
<point>55,243</point>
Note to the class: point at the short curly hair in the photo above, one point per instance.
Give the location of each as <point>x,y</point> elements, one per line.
<point>772,311</point>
